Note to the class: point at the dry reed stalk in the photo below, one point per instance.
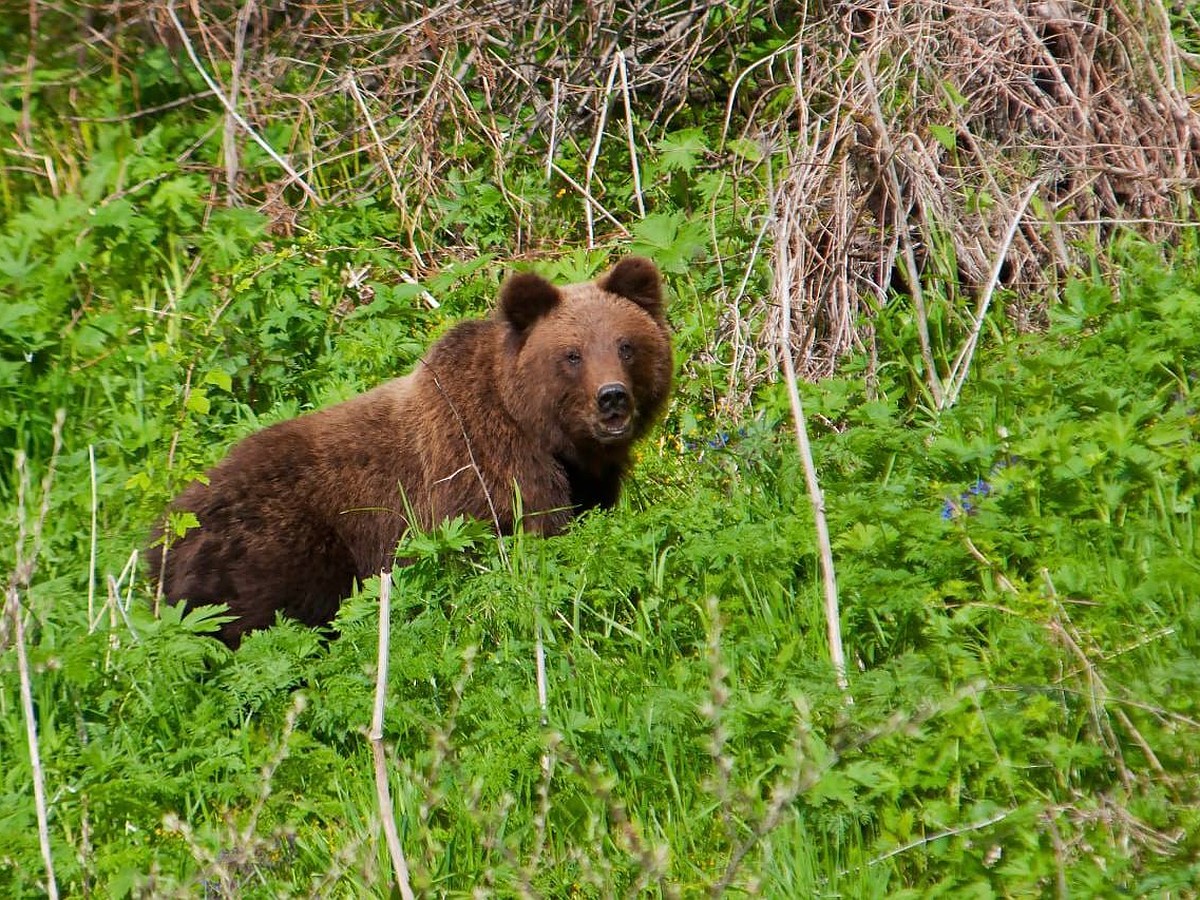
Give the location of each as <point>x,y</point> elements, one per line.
<point>632,140</point>
<point>387,812</point>
<point>25,566</point>
<point>26,126</point>
<point>941,835</point>
<point>231,109</point>
<point>14,611</point>
<point>384,161</point>
<point>538,67</point>
<point>962,363</point>
<point>235,77</point>
<point>92,543</point>
<point>113,605</point>
<point>783,290</point>
<point>714,710</point>
<point>589,170</point>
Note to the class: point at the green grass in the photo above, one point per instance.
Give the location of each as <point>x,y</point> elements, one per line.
<point>1024,711</point>
<point>1018,575</point>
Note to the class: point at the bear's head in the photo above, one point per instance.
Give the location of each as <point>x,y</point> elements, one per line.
<point>588,366</point>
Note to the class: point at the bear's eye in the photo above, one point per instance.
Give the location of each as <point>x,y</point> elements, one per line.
<point>625,349</point>
<point>573,357</point>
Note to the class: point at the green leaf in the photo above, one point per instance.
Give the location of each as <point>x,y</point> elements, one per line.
<point>13,317</point>
<point>671,238</point>
<point>747,149</point>
<point>197,402</point>
<point>138,480</point>
<point>220,379</point>
<point>683,150</point>
<point>956,96</point>
<point>946,135</point>
<point>182,196</point>
<point>180,522</point>
<point>118,214</point>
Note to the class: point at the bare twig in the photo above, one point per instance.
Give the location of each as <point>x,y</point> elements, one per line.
<point>235,78</point>
<point>942,835</point>
<point>26,131</point>
<point>962,364</point>
<point>539,665</point>
<point>13,609</point>
<point>233,113</point>
<point>590,199</point>
<point>900,210</point>
<point>92,549</point>
<point>299,704</point>
<point>385,161</point>
<point>383,791</point>
<point>903,187</point>
<point>783,289</point>
<point>552,144</point>
<point>714,711</point>
<point>978,556</point>
<point>430,300</point>
<point>633,155</point>
<point>590,167</point>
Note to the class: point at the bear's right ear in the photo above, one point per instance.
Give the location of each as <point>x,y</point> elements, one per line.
<point>636,278</point>
<point>525,298</point>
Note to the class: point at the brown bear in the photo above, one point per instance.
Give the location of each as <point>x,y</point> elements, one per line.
<point>543,400</point>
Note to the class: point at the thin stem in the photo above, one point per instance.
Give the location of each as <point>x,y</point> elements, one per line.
<point>92,554</point>
<point>910,259</point>
<point>633,157</point>
<point>375,736</point>
<point>22,576</point>
<point>397,194</point>
<point>31,737</point>
<point>783,290</point>
<point>590,168</point>
<point>958,374</point>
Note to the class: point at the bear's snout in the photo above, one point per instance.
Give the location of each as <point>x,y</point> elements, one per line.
<point>614,404</point>
<point>613,399</point>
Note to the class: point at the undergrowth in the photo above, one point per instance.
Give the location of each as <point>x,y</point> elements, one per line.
<point>1018,572</point>
<point>1019,583</point>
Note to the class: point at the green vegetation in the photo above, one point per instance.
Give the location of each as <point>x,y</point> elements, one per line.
<point>1019,573</point>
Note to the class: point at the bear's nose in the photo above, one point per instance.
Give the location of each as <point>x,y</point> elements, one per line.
<point>612,399</point>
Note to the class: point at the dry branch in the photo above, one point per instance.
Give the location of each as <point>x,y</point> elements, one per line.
<point>550,70</point>
<point>784,290</point>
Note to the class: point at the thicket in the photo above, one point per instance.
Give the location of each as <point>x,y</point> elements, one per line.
<point>972,222</point>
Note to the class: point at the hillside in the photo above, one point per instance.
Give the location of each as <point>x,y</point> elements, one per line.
<point>953,248</point>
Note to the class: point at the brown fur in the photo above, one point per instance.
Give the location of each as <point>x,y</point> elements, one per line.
<point>299,512</point>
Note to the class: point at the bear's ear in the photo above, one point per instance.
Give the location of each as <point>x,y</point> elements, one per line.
<point>525,298</point>
<point>636,278</point>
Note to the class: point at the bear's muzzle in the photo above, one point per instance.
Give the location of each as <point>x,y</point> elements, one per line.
<point>615,406</point>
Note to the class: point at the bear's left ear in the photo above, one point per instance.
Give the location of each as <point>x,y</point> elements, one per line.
<point>525,298</point>
<point>636,278</point>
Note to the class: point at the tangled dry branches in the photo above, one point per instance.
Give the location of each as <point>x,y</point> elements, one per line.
<point>409,75</point>
<point>944,151</point>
